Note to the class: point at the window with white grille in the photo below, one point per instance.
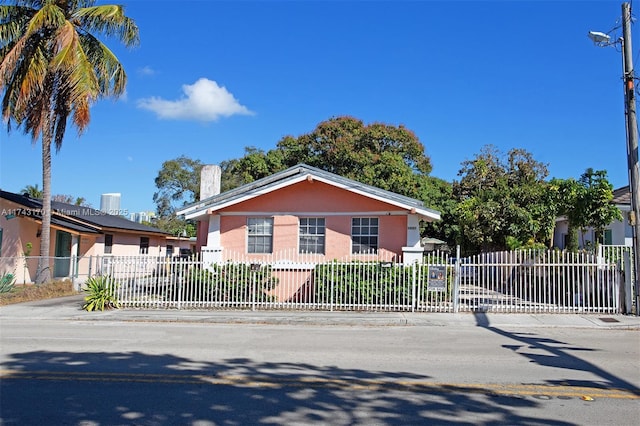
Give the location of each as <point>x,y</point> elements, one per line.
<point>260,235</point>
<point>312,235</point>
<point>364,235</point>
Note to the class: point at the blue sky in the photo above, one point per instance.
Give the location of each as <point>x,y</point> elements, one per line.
<point>213,77</point>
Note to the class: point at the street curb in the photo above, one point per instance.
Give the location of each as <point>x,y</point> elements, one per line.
<point>70,309</point>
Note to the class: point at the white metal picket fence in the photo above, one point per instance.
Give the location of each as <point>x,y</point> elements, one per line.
<point>518,281</point>
<point>538,281</point>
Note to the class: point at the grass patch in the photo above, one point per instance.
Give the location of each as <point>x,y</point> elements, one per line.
<point>30,292</point>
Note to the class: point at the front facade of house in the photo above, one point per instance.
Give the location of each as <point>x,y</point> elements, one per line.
<point>303,212</point>
<point>618,233</point>
<point>76,231</point>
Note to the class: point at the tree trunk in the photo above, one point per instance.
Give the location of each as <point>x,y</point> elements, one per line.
<point>43,273</point>
<point>572,239</point>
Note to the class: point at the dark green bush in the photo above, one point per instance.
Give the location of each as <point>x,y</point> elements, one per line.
<point>227,282</point>
<point>362,283</point>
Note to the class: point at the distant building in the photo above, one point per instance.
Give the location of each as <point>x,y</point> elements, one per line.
<point>141,217</point>
<point>110,203</point>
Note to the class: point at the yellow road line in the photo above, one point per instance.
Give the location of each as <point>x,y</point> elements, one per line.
<point>271,381</point>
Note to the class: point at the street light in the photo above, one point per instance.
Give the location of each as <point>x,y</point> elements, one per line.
<point>628,77</point>
<point>599,38</point>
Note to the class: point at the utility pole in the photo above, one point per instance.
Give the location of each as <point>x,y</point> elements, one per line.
<point>632,143</point>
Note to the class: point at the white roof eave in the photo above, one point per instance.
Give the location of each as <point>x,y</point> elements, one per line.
<point>202,209</point>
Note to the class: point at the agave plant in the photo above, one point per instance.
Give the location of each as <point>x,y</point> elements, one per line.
<point>101,294</point>
<point>6,283</point>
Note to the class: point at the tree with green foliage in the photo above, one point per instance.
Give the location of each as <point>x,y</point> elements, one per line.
<point>254,165</point>
<point>586,203</point>
<point>438,194</point>
<point>565,193</point>
<point>178,183</point>
<point>502,201</point>
<point>33,191</point>
<point>382,155</point>
<point>52,66</point>
<point>596,202</point>
<point>70,199</point>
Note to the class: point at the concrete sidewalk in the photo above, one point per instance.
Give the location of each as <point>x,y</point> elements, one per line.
<point>70,309</point>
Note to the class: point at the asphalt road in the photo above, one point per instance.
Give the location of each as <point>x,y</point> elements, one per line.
<point>73,372</point>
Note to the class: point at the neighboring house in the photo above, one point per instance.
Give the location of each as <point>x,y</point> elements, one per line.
<point>431,244</point>
<point>75,231</point>
<point>617,233</point>
<point>180,246</point>
<point>307,212</point>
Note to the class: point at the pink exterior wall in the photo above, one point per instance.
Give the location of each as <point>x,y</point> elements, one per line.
<point>318,198</point>
<point>129,244</point>
<point>312,196</point>
<point>20,230</point>
<point>16,233</point>
<point>180,243</point>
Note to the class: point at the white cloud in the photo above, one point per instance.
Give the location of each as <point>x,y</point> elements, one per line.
<point>147,70</point>
<point>204,101</point>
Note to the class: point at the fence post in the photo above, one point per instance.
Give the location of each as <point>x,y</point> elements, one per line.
<point>253,270</point>
<point>179,283</point>
<point>331,287</point>
<point>627,283</point>
<point>414,300</point>
<point>456,281</point>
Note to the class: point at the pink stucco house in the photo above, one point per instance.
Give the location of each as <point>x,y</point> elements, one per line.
<point>304,211</point>
<point>76,231</point>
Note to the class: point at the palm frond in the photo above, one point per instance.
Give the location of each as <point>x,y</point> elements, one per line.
<point>109,71</point>
<point>48,17</point>
<point>52,66</point>
<point>109,20</point>
<point>12,21</point>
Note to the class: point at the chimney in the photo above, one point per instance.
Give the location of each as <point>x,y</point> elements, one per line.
<point>210,181</point>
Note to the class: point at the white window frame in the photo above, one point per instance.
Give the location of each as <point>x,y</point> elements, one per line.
<point>362,228</point>
<point>313,229</point>
<point>259,232</point>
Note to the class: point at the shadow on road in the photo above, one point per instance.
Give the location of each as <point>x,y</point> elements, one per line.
<point>558,355</point>
<point>43,387</point>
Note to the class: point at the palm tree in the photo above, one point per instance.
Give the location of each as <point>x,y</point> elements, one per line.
<point>32,191</point>
<point>51,67</point>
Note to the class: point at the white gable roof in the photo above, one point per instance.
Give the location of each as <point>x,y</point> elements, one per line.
<point>298,174</point>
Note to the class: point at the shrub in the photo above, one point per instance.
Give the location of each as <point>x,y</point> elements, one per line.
<point>362,283</point>
<point>101,294</point>
<point>228,282</point>
<point>7,282</point>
